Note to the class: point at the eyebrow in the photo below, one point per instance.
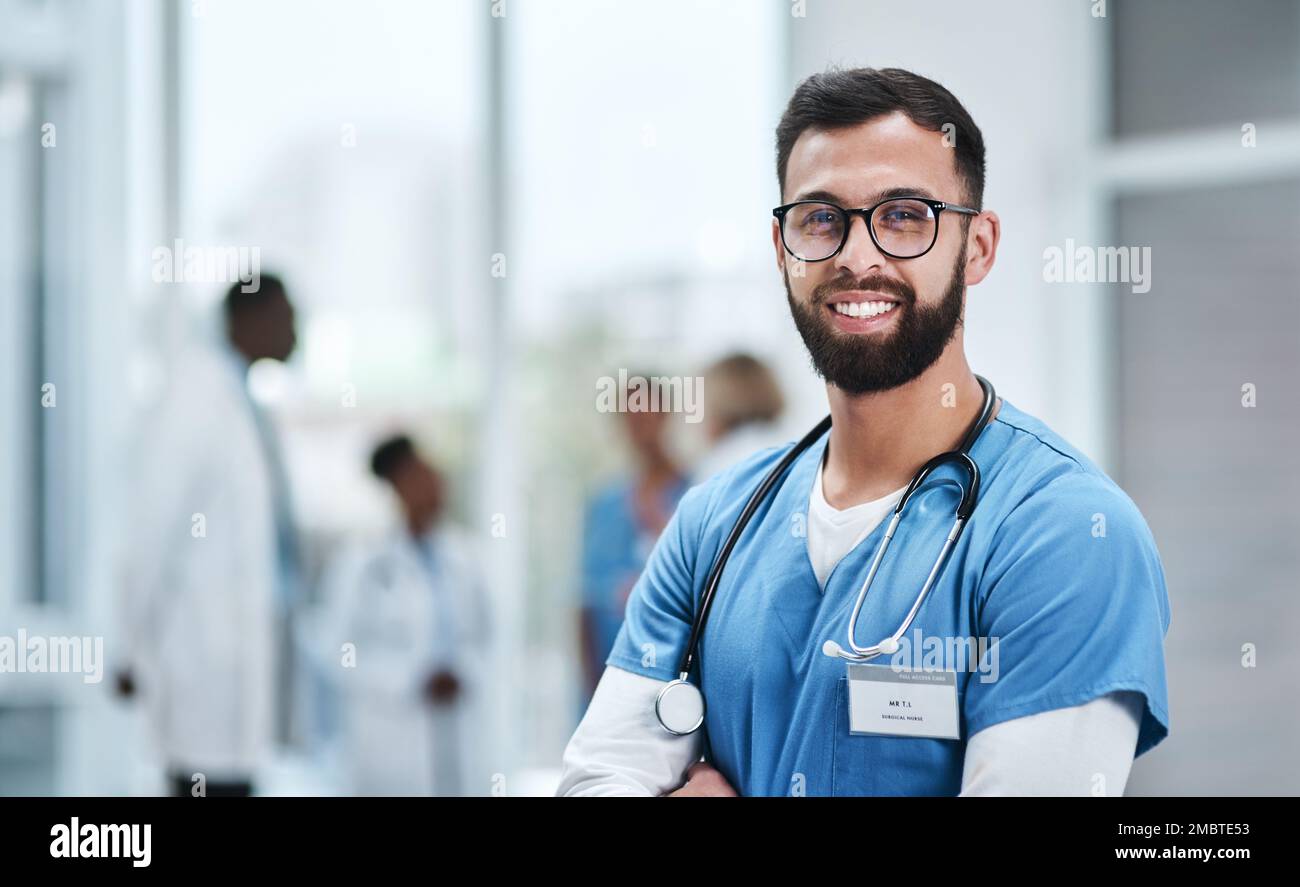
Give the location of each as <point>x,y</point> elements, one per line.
<point>887,194</point>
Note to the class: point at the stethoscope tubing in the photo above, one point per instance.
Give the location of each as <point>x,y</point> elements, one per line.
<point>965,508</point>
<point>715,574</point>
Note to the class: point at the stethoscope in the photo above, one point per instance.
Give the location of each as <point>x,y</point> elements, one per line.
<point>680,704</point>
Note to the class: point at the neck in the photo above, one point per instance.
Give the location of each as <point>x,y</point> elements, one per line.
<point>879,441</point>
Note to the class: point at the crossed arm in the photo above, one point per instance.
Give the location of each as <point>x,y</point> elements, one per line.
<point>620,749</point>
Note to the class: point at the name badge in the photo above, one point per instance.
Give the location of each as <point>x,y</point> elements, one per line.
<point>884,701</point>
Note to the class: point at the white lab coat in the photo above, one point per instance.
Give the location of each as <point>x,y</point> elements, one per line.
<point>386,641</point>
<point>198,599</point>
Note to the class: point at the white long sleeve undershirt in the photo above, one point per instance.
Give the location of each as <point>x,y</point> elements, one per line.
<point>620,749</point>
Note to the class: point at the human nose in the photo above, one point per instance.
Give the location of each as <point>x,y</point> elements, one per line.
<point>859,253</point>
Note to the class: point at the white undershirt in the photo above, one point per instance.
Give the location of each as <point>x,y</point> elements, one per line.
<point>621,749</point>
<point>834,532</point>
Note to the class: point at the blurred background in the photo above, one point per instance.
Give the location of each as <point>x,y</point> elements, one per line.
<point>479,211</point>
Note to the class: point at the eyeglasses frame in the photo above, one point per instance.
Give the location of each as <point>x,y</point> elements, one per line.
<point>936,206</point>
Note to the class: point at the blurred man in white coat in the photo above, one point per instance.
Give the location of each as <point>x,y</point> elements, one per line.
<point>213,558</point>
<point>411,629</point>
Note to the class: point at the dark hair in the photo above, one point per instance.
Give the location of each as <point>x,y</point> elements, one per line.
<point>838,98</point>
<point>742,390</point>
<point>389,454</point>
<point>270,287</point>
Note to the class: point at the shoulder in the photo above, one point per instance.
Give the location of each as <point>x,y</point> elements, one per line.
<point>463,548</point>
<point>1061,520</point>
<point>1050,479</point>
<point>200,417</point>
<point>205,367</point>
<point>201,393</point>
<point>610,492</point>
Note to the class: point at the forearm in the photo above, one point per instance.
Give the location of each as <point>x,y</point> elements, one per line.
<point>620,749</point>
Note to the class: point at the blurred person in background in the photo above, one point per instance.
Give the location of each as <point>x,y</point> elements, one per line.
<point>623,520</point>
<point>742,402</point>
<point>213,560</point>
<point>412,625</point>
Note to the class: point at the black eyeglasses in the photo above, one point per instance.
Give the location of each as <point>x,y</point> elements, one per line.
<point>900,227</point>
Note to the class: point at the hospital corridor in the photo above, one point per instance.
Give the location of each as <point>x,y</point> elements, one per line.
<point>516,398</point>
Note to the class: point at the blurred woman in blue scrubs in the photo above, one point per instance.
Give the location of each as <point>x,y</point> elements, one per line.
<point>623,520</point>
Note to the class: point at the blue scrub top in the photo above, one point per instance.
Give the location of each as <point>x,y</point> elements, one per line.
<point>1056,563</point>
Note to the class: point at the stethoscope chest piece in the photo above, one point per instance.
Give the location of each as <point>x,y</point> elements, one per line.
<point>680,707</point>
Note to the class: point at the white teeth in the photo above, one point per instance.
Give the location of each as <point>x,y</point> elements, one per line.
<point>863,309</point>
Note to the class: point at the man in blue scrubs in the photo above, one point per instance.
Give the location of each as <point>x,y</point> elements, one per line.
<point>1056,580</point>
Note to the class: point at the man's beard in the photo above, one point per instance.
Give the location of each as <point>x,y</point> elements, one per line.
<point>859,364</point>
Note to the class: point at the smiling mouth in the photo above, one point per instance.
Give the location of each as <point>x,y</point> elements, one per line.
<point>863,309</point>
